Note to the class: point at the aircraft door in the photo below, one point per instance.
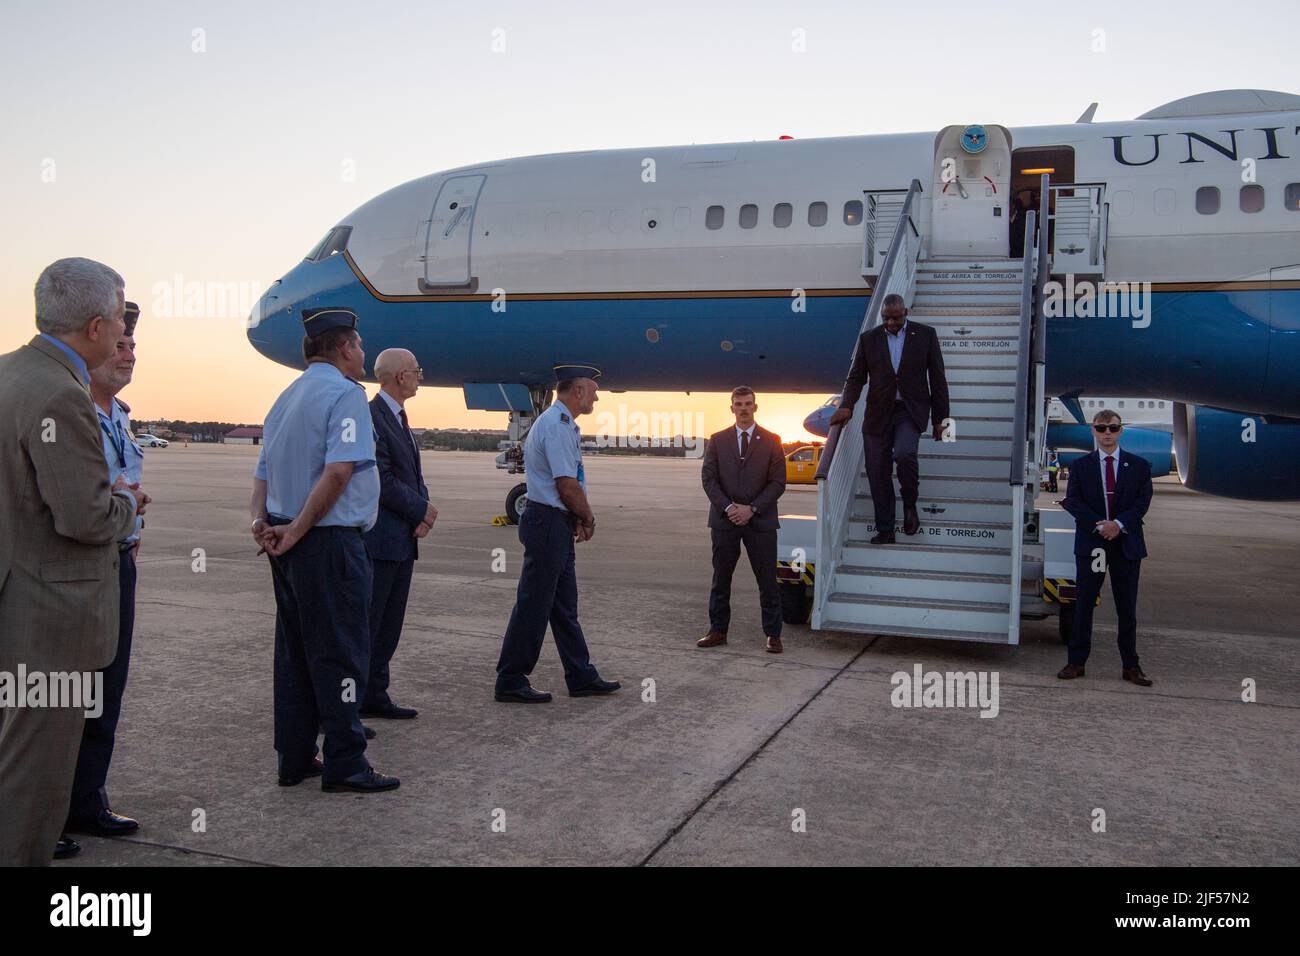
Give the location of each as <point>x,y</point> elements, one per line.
<point>971,187</point>
<point>450,233</point>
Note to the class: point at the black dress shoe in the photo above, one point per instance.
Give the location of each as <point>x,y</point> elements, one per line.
<point>523,695</point>
<point>1134,675</point>
<point>596,688</point>
<point>65,848</point>
<point>911,520</point>
<point>105,823</point>
<point>1070,671</point>
<point>314,769</point>
<point>884,537</point>
<point>390,712</point>
<point>369,780</point>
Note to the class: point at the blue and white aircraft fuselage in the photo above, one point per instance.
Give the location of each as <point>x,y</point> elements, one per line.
<point>679,268</point>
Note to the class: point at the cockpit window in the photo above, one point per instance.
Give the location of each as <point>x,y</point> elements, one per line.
<point>335,241</point>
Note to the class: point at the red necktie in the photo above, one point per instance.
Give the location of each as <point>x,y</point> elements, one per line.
<point>1110,486</point>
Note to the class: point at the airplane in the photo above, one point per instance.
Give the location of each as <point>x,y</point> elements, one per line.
<point>698,267</point>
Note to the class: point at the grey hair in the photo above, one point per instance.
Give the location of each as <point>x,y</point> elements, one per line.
<point>71,292</point>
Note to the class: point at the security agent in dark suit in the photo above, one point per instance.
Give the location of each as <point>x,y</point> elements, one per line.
<point>1109,493</point>
<point>743,475</point>
<point>558,515</point>
<point>405,515</point>
<point>901,364</point>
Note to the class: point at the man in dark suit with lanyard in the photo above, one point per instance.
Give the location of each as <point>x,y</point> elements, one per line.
<point>1108,494</point>
<point>900,363</point>
<point>743,476</point>
<point>405,515</point>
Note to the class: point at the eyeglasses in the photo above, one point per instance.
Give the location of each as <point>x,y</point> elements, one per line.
<point>418,372</point>
<point>1107,428</point>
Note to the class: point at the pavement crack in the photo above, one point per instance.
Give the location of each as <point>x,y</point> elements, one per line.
<point>718,787</point>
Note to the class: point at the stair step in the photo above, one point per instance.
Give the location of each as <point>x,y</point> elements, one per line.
<point>991,488</point>
<point>987,446</point>
<point>885,613</point>
<point>986,637</point>
<point>983,467</point>
<point>905,555</point>
<point>932,509</point>
<point>964,410</point>
<point>960,372</point>
<point>925,283</point>
<point>937,587</point>
<point>922,311</point>
<point>984,534</point>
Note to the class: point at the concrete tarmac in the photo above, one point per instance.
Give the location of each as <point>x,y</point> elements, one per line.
<point>738,747</point>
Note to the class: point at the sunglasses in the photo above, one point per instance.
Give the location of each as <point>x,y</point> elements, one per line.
<point>1107,428</point>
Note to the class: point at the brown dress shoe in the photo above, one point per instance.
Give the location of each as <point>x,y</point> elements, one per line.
<point>712,639</point>
<point>774,645</point>
<point>1134,675</point>
<point>1070,671</point>
<point>911,520</point>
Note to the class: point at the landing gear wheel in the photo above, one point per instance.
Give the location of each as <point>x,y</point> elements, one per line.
<point>516,501</point>
<point>795,603</point>
<point>1065,623</point>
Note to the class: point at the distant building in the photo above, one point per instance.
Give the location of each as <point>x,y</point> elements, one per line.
<point>250,435</point>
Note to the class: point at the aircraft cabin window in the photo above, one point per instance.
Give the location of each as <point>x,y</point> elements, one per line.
<point>1293,197</point>
<point>1121,404</point>
<point>853,212</point>
<point>1251,198</point>
<point>713,217</point>
<point>817,214</point>
<point>1207,200</point>
<point>748,216</point>
<point>782,215</point>
<point>1162,404</point>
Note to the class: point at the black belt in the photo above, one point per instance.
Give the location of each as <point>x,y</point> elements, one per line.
<point>277,520</point>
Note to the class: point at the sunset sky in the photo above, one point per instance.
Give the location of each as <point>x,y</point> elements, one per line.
<point>188,142</point>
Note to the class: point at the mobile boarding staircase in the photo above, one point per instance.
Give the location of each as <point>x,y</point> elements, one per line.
<point>978,554</point>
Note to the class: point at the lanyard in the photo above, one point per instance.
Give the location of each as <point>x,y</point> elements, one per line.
<point>118,440</point>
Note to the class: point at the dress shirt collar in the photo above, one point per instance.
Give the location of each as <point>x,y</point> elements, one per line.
<point>77,360</point>
<point>392,403</point>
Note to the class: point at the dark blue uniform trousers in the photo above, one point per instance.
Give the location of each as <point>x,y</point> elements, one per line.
<point>89,793</point>
<point>548,593</point>
<point>322,638</point>
<point>1123,585</point>
<point>392,587</point>
<point>898,443</point>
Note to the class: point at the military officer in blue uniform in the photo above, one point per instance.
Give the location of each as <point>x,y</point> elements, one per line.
<point>90,811</point>
<point>557,515</point>
<point>315,491</point>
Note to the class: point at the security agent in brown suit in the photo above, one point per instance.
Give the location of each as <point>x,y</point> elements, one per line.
<point>743,475</point>
<point>59,529</point>
<point>901,364</point>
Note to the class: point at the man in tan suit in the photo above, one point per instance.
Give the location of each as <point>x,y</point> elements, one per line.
<point>59,528</point>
